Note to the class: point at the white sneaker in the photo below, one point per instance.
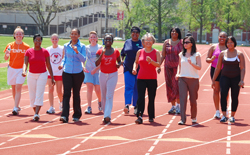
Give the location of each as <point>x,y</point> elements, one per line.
<point>217,114</point>
<point>15,111</point>
<point>36,117</point>
<point>177,109</point>
<point>51,110</point>
<point>60,106</point>
<point>194,120</point>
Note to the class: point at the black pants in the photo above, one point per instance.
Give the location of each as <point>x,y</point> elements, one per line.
<point>151,85</point>
<point>72,81</point>
<point>225,84</point>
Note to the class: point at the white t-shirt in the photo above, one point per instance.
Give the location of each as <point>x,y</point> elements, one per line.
<point>56,56</point>
<point>91,56</point>
<point>186,69</point>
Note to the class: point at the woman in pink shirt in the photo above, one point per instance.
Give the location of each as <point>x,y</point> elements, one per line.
<point>38,58</point>
<point>148,58</point>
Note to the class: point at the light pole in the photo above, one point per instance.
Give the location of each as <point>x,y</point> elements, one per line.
<point>106,17</point>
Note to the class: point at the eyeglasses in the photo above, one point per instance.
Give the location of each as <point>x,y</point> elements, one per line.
<point>187,42</point>
<point>37,40</point>
<point>222,36</point>
<point>135,32</point>
<point>107,39</point>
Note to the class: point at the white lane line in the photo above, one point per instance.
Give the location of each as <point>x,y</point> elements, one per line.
<point>2,143</point>
<point>246,55</point>
<point>151,149</point>
<point>228,147</point>
<point>75,146</point>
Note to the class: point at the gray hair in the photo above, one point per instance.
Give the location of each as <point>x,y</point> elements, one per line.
<point>222,32</point>
<point>148,35</point>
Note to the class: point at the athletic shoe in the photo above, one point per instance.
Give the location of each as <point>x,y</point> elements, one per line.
<point>106,120</point>
<point>181,123</point>
<point>139,120</point>
<point>177,110</point>
<point>19,109</point>
<point>172,110</point>
<point>217,114</point>
<point>63,119</point>
<point>75,119</point>
<point>231,119</point>
<point>223,119</point>
<point>36,117</point>
<point>51,110</point>
<point>151,120</point>
<point>194,120</point>
<point>126,109</point>
<point>135,110</point>
<point>15,111</point>
<point>100,106</point>
<point>88,110</point>
<point>60,106</point>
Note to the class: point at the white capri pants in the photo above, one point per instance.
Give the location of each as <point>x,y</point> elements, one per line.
<point>36,85</point>
<point>107,84</point>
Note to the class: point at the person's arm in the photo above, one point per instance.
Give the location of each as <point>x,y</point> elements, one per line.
<point>163,55</point>
<point>99,57</point>
<point>123,54</point>
<point>118,60</point>
<point>242,69</point>
<point>25,65</point>
<point>210,58</point>
<point>7,52</point>
<point>154,63</point>
<point>217,69</point>
<point>47,60</point>
<point>63,60</point>
<point>135,66</point>
<point>198,62</point>
<point>80,54</point>
<point>178,69</point>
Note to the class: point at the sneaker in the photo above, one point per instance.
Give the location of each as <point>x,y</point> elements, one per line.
<point>231,119</point>
<point>88,110</point>
<point>194,120</point>
<point>100,106</point>
<point>181,123</point>
<point>36,117</point>
<point>126,109</point>
<point>172,110</point>
<point>60,106</point>
<point>151,120</point>
<point>19,109</point>
<point>139,120</point>
<point>177,110</point>
<point>15,111</point>
<point>223,119</point>
<point>217,114</point>
<point>75,119</point>
<point>106,120</point>
<point>63,119</point>
<point>51,110</point>
<point>135,110</point>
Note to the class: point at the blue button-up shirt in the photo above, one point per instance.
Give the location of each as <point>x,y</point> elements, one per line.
<point>72,62</point>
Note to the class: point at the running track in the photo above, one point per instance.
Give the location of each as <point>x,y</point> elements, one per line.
<point>21,135</point>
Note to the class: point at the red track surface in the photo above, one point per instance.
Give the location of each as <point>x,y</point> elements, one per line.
<point>21,135</point>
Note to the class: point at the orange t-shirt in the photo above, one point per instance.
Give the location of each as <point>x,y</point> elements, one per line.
<point>17,54</point>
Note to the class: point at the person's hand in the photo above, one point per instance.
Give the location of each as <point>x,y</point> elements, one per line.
<point>213,57</point>
<point>134,72</point>
<point>159,70</point>
<point>118,65</point>
<point>213,85</point>
<point>103,51</point>
<point>24,74</point>
<point>7,53</point>
<point>176,77</point>
<point>75,49</point>
<point>189,61</point>
<point>148,59</point>
<point>122,62</point>
<point>53,81</point>
<point>60,67</point>
<point>85,70</point>
<point>241,84</point>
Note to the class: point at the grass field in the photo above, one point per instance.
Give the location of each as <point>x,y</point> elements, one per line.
<point>46,43</point>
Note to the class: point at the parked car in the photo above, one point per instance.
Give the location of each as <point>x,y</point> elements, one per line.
<point>117,38</point>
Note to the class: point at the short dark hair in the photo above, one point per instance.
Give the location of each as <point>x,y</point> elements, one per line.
<point>78,31</point>
<point>233,39</point>
<point>109,35</point>
<point>177,30</point>
<point>37,35</point>
<point>135,28</point>
<point>193,50</point>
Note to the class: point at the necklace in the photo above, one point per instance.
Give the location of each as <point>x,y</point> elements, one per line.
<point>174,42</point>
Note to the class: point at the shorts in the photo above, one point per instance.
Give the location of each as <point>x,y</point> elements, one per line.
<point>212,74</point>
<point>89,78</point>
<point>14,76</point>
<point>56,78</point>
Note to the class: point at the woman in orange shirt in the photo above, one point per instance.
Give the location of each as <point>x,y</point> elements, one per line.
<point>15,51</point>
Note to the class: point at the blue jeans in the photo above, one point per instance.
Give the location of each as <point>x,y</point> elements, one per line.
<point>130,88</point>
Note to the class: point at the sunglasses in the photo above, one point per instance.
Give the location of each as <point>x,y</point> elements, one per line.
<point>135,32</point>
<point>187,42</point>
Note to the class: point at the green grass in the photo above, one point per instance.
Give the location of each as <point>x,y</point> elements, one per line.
<point>46,43</point>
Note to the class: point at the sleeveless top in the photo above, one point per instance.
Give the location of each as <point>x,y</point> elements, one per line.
<point>216,53</point>
<point>231,67</point>
<point>147,70</point>
<point>172,54</point>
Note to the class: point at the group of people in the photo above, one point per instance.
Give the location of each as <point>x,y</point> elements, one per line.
<point>68,66</point>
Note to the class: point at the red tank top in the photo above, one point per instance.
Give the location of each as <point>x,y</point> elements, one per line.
<point>147,70</point>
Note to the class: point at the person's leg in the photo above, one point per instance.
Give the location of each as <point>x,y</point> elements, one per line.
<point>235,90</point>
<point>152,87</point>
<point>13,90</point>
<point>141,86</point>
<point>90,88</point>
<point>135,92</point>
<point>59,86</point>
<point>18,90</point>
<point>77,84</point>
<point>51,92</point>
<point>111,84</point>
<point>224,88</point>
<point>193,87</point>
<point>103,86</point>
<point>98,92</point>
<point>183,97</point>
<point>129,87</point>
<point>32,80</point>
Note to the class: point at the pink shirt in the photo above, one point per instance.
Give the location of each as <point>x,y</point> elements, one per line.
<point>216,52</point>
<point>37,60</point>
<point>147,70</point>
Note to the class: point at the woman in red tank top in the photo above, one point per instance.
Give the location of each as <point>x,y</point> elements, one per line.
<point>148,59</point>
